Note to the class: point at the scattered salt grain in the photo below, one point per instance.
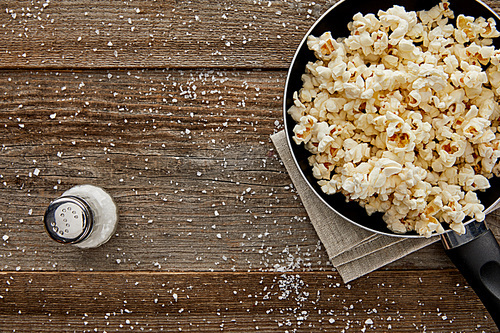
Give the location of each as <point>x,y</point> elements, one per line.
<point>5,237</point>
<point>36,172</point>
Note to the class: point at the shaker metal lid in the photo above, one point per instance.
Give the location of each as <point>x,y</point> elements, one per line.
<point>68,220</point>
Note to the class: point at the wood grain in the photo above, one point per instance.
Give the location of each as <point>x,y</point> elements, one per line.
<point>137,146</point>
<point>114,129</point>
<point>155,34</point>
<point>239,302</point>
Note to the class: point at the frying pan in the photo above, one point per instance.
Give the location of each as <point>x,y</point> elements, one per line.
<point>476,253</point>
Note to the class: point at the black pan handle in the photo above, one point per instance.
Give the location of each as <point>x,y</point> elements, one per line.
<point>479,262</point>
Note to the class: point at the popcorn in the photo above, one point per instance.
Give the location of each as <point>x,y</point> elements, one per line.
<point>303,130</point>
<point>324,47</point>
<point>402,115</point>
<point>320,171</point>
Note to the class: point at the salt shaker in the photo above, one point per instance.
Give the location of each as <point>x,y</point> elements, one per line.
<point>84,216</point>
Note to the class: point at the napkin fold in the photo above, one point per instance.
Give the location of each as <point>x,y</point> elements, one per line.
<point>352,250</point>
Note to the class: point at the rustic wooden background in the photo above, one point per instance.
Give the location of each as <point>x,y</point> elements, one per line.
<point>169,106</point>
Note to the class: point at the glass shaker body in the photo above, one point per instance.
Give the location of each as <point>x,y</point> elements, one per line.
<point>84,216</point>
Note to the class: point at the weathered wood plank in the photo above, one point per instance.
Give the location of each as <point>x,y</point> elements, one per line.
<point>239,302</point>
<point>126,131</point>
<point>155,34</point>
<point>144,137</point>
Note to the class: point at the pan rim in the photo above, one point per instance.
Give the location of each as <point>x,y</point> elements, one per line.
<point>301,172</point>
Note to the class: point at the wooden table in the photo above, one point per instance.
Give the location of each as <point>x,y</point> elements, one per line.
<point>169,106</point>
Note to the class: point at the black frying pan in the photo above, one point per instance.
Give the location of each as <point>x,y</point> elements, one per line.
<point>477,253</point>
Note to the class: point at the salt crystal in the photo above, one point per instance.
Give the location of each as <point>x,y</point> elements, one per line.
<point>368,322</point>
<point>216,213</point>
<point>53,115</point>
<point>36,172</point>
<point>5,237</point>
<point>219,236</point>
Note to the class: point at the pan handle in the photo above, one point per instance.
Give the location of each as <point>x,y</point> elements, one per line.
<point>477,257</point>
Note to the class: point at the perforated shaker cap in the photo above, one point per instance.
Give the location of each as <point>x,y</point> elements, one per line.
<point>68,220</point>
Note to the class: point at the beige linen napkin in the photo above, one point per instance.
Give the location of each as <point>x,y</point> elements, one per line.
<point>352,250</point>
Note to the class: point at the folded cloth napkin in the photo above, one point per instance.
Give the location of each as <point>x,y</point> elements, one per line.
<point>352,250</point>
